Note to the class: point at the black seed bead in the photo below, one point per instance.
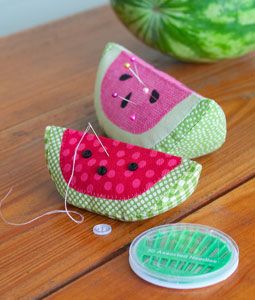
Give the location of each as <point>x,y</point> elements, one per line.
<point>86,153</point>
<point>154,96</point>
<point>125,77</point>
<point>124,103</point>
<point>132,166</point>
<point>102,170</point>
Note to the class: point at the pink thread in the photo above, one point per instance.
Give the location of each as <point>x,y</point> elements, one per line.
<point>36,218</point>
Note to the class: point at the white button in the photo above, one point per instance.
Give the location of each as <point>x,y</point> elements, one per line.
<point>102,229</point>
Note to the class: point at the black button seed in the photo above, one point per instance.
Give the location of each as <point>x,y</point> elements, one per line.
<point>86,153</point>
<point>125,102</point>
<point>154,96</point>
<point>124,77</point>
<point>132,166</point>
<point>102,170</point>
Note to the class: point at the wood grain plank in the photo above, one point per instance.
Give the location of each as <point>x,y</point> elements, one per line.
<point>52,69</point>
<point>232,213</point>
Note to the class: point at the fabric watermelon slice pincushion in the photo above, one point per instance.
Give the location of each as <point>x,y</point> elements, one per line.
<point>133,183</point>
<point>139,104</point>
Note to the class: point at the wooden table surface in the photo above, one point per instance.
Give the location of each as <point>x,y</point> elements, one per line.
<point>47,77</point>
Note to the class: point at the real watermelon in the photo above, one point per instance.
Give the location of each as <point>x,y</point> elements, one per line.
<point>192,30</point>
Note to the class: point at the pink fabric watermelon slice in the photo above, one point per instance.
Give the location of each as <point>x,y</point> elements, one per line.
<point>127,178</point>
<point>151,100</point>
<point>138,104</point>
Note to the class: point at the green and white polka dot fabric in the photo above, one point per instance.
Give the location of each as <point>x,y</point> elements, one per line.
<point>172,190</point>
<point>201,132</point>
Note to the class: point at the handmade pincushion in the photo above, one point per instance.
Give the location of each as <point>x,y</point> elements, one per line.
<point>139,104</point>
<point>133,183</point>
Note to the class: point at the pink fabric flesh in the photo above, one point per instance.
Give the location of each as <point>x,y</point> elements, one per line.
<point>118,183</point>
<point>147,114</point>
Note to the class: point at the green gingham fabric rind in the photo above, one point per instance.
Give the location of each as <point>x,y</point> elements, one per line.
<point>172,190</point>
<point>201,132</point>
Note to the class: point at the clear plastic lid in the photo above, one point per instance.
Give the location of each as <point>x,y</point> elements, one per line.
<point>183,256</point>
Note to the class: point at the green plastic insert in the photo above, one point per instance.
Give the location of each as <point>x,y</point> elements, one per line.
<point>183,255</point>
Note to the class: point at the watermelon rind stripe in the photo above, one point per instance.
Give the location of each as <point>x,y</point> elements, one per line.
<point>209,30</point>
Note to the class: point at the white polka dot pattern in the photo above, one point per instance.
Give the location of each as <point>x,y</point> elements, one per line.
<point>201,132</point>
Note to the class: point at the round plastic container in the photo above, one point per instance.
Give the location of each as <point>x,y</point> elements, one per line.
<point>183,256</point>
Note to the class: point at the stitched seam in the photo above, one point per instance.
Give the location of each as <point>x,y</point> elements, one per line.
<point>178,140</point>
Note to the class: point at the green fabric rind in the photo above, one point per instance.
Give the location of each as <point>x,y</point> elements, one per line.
<point>169,192</point>
<point>201,132</point>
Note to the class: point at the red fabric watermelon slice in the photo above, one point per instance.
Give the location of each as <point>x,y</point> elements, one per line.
<point>128,177</point>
